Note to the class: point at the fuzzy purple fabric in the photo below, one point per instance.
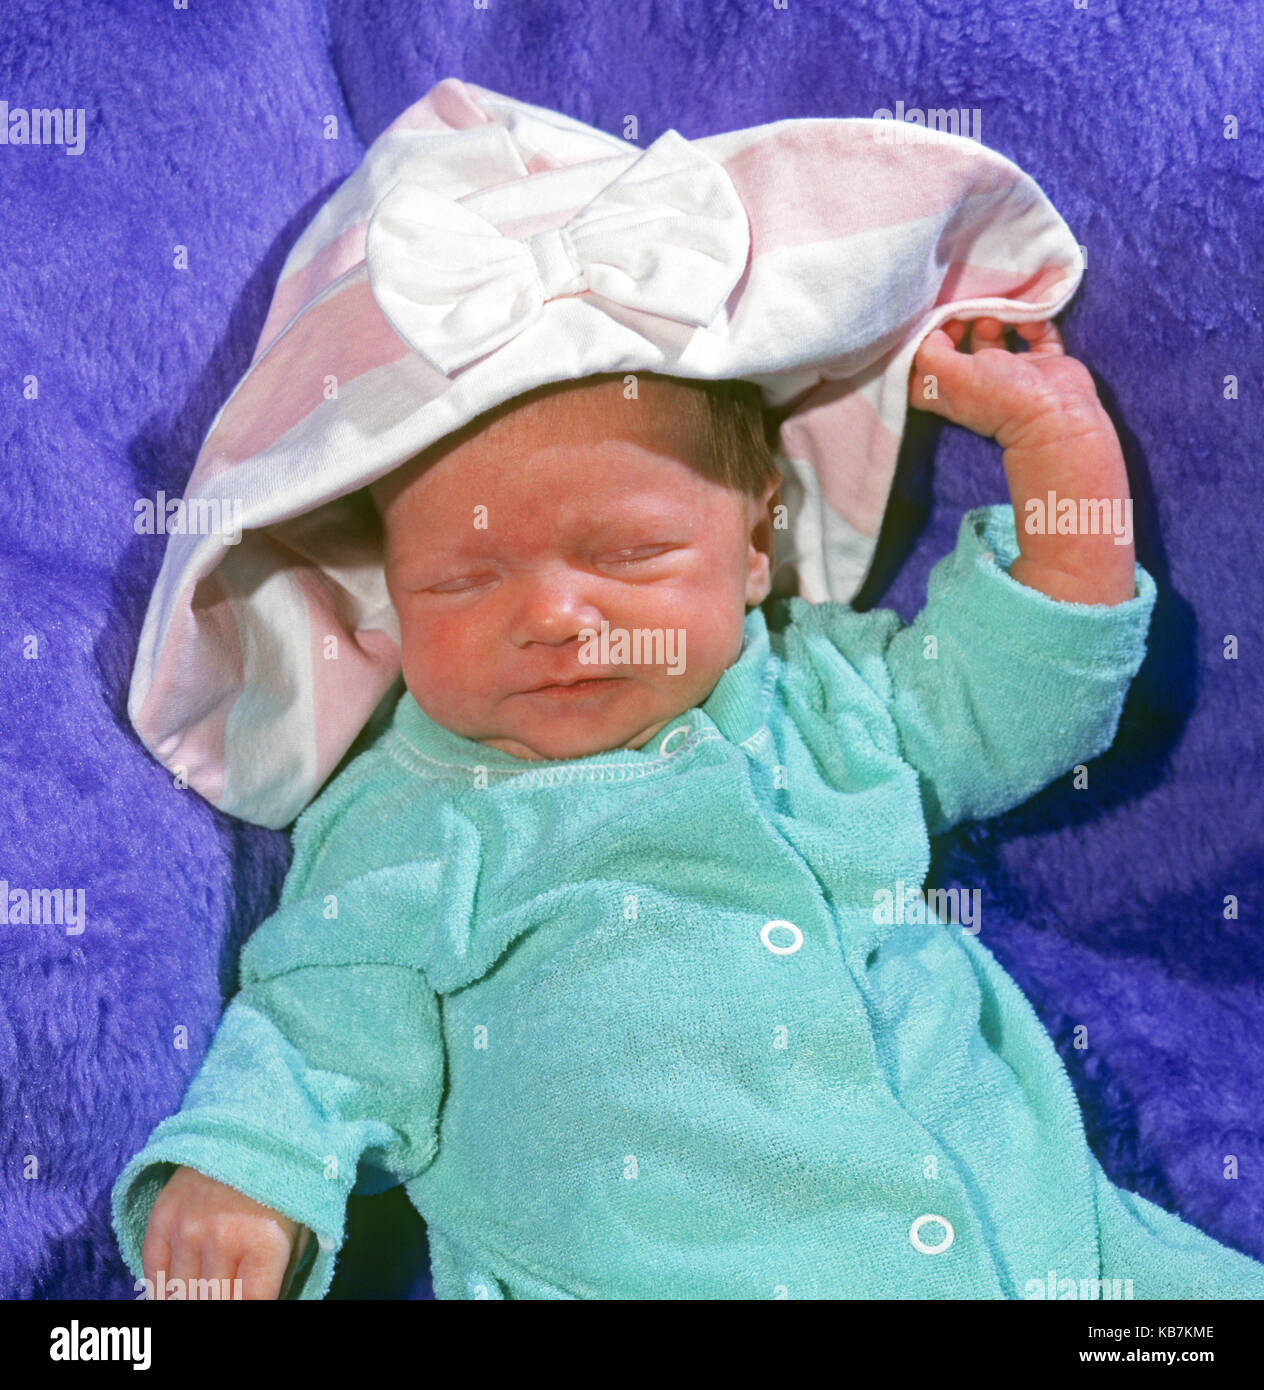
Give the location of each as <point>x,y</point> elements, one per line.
<point>208,128</point>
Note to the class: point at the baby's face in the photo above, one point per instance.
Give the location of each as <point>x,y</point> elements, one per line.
<point>590,515</point>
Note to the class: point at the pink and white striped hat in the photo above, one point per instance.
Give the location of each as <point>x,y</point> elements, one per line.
<point>484,247</point>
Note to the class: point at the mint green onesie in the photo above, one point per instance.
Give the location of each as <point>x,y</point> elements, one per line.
<point>636,1025</point>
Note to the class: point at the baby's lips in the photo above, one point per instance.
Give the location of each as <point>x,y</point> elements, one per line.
<point>573,679</point>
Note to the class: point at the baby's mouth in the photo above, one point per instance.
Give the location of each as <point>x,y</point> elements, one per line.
<point>585,686</point>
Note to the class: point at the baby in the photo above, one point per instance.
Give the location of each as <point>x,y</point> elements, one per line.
<point>624,1025</point>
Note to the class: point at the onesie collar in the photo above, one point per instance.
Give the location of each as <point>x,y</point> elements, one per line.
<point>734,711</point>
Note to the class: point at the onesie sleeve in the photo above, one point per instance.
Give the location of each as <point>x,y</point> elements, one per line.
<point>328,1059</point>
<point>995,689</point>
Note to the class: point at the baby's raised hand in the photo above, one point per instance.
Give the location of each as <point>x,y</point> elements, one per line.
<point>202,1229</point>
<point>1062,456</point>
<point>992,390</point>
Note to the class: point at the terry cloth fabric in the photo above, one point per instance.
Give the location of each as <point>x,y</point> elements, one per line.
<point>484,247</point>
<point>611,1054</point>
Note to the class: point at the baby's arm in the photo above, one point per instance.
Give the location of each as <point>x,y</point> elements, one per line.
<point>1041,406</point>
<point>1017,667</point>
<point>203,1229</point>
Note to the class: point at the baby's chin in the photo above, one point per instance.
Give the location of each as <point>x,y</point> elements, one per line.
<point>568,727</point>
<point>564,745</point>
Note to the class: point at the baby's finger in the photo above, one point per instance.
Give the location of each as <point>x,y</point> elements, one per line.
<point>186,1262</point>
<point>1042,338</point>
<point>155,1255</point>
<point>220,1264</point>
<point>264,1265</point>
<point>260,1276</point>
<point>936,342</point>
<point>936,358</point>
<point>955,329</point>
<point>987,333</point>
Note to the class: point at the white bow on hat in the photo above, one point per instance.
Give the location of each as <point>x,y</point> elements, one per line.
<point>668,236</point>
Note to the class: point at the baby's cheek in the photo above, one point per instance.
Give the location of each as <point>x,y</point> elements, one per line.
<point>433,665</point>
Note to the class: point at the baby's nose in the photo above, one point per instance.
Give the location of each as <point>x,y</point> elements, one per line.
<point>555,607</point>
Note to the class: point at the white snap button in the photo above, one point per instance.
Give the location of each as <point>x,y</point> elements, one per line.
<point>681,729</point>
<point>781,950</point>
<point>919,1244</point>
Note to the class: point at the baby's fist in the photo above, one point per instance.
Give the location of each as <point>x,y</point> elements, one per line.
<point>1002,395</point>
<point>202,1229</point>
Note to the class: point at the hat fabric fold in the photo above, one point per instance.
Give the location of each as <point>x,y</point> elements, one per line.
<point>485,246</point>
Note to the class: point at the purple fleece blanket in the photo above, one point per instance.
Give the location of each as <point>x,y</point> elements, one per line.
<point>209,129</point>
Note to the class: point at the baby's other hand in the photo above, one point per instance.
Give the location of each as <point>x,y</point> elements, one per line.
<point>995,392</point>
<point>203,1229</point>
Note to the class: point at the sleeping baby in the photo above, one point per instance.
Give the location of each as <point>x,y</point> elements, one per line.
<point>672,1056</point>
<point>585,947</point>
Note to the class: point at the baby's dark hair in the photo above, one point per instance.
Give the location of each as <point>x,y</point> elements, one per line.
<point>735,432</point>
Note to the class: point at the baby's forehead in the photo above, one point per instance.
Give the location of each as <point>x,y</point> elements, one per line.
<point>548,512</point>
<point>588,433</point>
